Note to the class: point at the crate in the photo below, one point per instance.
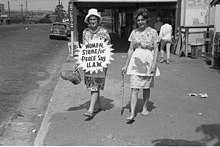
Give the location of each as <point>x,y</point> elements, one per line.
<point>196,50</point>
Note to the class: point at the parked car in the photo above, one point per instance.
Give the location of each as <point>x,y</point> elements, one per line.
<point>66,21</point>
<point>58,30</point>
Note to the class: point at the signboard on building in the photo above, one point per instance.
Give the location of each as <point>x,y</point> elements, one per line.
<point>196,13</point>
<point>71,11</point>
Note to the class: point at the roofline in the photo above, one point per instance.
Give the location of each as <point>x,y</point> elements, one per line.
<point>124,1</point>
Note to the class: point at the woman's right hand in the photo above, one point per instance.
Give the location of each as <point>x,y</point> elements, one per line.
<point>124,70</point>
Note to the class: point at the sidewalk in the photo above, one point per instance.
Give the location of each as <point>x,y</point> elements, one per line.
<point>174,119</point>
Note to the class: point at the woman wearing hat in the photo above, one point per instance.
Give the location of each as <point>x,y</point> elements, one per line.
<point>95,81</point>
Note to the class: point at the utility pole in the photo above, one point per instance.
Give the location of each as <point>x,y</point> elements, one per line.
<point>22,10</point>
<point>9,13</point>
<point>26,9</point>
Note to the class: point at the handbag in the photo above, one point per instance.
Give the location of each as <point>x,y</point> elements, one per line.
<point>71,75</point>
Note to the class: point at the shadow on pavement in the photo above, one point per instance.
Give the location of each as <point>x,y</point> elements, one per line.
<point>106,105</point>
<point>216,68</point>
<point>210,131</point>
<point>176,142</point>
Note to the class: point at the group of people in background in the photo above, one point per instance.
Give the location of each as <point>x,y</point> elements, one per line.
<point>141,62</point>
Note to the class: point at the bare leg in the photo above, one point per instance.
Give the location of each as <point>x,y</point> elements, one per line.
<point>168,51</point>
<point>94,97</point>
<point>99,105</point>
<point>146,96</point>
<point>162,45</point>
<point>134,96</point>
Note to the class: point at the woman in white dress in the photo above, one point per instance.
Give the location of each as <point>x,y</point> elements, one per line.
<point>141,60</point>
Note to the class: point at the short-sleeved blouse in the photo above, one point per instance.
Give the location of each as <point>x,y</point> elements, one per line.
<point>146,37</point>
<point>100,34</point>
<point>142,58</point>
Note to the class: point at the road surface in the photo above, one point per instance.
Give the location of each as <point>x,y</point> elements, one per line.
<point>29,65</point>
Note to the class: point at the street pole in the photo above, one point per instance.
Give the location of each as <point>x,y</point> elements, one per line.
<point>71,10</point>
<point>26,9</point>
<point>22,10</point>
<point>9,13</point>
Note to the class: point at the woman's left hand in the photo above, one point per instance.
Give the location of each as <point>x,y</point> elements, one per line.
<point>152,69</point>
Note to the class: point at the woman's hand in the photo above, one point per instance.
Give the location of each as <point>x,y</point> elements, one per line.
<point>143,45</point>
<point>152,69</point>
<point>124,70</point>
<point>150,47</point>
<point>136,45</point>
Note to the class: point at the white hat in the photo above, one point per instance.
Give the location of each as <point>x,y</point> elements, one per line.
<point>92,12</point>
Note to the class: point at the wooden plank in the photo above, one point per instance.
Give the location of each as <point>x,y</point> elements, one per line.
<point>179,42</point>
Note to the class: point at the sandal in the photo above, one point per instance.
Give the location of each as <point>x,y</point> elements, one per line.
<point>130,120</point>
<point>161,61</point>
<point>89,115</point>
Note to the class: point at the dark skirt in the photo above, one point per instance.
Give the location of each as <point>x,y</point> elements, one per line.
<point>95,83</point>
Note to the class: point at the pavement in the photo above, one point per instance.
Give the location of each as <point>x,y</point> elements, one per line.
<point>175,118</point>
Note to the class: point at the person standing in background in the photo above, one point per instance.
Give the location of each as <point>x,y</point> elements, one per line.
<point>158,25</point>
<point>166,39</point>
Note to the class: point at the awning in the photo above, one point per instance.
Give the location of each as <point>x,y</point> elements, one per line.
<point>125,1</point>
<point>125,4</point>
<point>214,2</point>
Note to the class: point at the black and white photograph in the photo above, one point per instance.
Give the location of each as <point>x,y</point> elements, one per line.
<point>109,72</point>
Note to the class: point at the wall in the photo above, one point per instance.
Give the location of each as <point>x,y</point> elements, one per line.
<point>217,18</point>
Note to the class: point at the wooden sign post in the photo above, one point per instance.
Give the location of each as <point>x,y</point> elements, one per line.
<point>72,23</point>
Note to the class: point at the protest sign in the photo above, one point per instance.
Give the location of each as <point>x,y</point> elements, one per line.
<point>94,56</point>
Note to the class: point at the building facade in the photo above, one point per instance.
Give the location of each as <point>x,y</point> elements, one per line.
<point>193,21</point>
<point>121,13</point>
<point>2,9</point>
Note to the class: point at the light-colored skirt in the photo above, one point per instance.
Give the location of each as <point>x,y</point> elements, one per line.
<point>141,82</point>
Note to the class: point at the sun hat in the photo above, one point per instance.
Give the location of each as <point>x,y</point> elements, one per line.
<point>92,12</point>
